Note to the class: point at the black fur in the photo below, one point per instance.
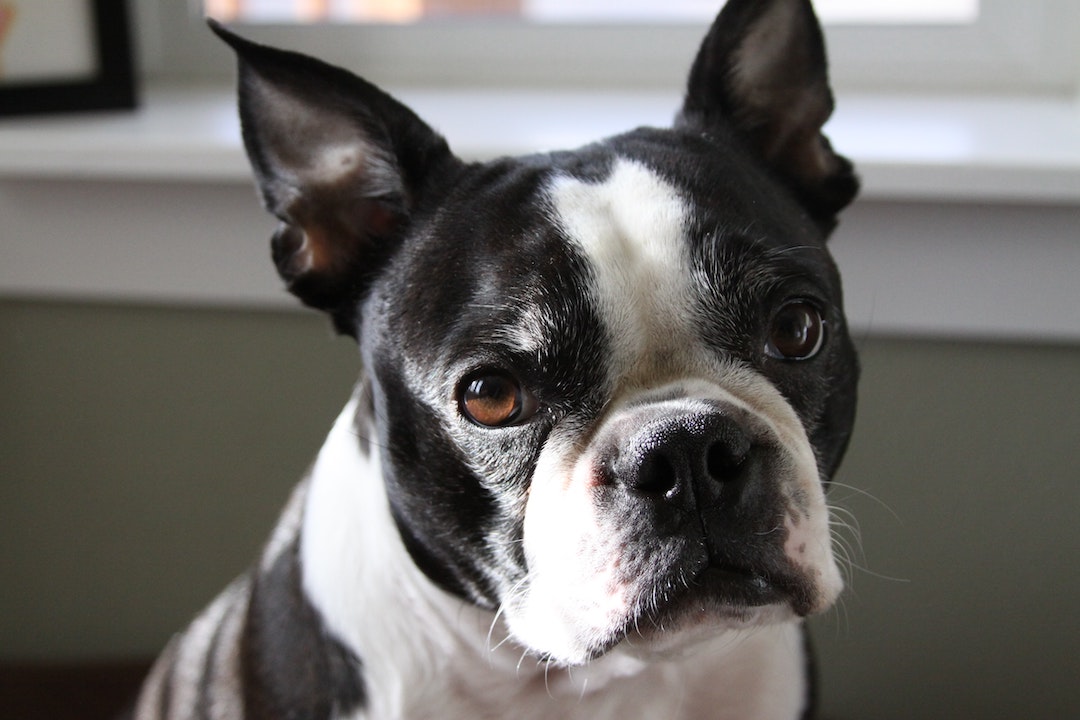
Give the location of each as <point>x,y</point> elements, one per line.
<point>291,666</point>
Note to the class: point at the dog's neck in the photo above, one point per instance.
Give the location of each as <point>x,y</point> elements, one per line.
<point>427,653</point>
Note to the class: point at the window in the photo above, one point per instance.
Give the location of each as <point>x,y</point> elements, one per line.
<point>874,45</point>
<point>591,11</point>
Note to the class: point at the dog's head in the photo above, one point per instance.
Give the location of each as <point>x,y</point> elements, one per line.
<point>610,385</point>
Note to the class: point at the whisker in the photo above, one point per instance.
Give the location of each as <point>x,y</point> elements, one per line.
<point>863,493</point>
<point>880,576</point>
<point>846,539</point>
<point>547,670</point>
<point>521,660</point>
<point>511,596</point>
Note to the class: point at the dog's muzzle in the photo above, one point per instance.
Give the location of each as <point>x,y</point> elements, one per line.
<point>687,507</point>
<point>712,475</point>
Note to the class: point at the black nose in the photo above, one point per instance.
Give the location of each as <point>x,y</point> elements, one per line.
<point>697,459</point>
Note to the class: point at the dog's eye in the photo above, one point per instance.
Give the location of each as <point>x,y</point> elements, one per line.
<point>493,398</point>
<point>797,332</point>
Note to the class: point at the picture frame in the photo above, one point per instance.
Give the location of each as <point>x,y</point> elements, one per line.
<point>65,56</point>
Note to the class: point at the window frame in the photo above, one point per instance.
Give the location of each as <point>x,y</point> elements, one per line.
<point>1016,46</point>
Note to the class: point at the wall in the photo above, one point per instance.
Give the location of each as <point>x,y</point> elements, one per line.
<point>145,452</point>
<point>965,479</point>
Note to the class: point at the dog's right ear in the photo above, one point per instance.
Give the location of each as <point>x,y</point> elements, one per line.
<point>340,163</point>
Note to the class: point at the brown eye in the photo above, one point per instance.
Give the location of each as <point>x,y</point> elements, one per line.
<point>797,332</point>
<point>494,399</point>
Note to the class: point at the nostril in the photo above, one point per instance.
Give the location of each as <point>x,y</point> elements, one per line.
<point>723,459</point>
<point>656,475</point>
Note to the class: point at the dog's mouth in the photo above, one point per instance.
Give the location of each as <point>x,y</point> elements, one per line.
<point>720,594</point>
<point>694,603</point>
<point>718,597</point>
<point>737,587</point>
<point>732,572</point>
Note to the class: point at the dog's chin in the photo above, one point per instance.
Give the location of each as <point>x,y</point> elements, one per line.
<point>677,632</point>
<point>717,602</point>
<point>674,622</point>
<point>692,626</point>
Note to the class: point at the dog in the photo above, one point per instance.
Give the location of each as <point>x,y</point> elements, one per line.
<point>603,393</point>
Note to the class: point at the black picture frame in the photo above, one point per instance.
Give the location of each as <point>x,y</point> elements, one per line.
<point>110,84</point>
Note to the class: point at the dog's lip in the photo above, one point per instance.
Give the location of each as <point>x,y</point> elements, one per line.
<point>737,586</point>
<point>717,591</point>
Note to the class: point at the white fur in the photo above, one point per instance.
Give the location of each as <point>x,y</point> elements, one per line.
<point>359,576</point>
<point>631,228</point>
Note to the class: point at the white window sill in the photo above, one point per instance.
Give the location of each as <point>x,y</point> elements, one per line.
<point>966,227</point>
<point>906,147</point>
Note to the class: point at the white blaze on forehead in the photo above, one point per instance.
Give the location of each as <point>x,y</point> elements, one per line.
<point>631,227</point>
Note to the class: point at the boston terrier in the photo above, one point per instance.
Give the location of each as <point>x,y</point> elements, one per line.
<point>604,390</point>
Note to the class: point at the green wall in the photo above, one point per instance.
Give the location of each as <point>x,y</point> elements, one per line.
<point>144,453</point>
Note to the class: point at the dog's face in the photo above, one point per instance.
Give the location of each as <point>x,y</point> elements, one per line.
<point>609,385</point>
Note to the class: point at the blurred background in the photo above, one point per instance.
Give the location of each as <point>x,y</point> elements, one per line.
<point>160,394</point>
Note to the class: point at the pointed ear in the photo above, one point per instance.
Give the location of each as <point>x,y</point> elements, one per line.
<point>340,163</point>
<point>762,69</point>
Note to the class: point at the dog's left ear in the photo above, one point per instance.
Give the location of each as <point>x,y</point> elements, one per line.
<point>342,164</point>
<point>762,69</point>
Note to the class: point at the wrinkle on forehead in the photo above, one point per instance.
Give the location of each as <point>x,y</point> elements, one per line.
<point>632,229</point>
